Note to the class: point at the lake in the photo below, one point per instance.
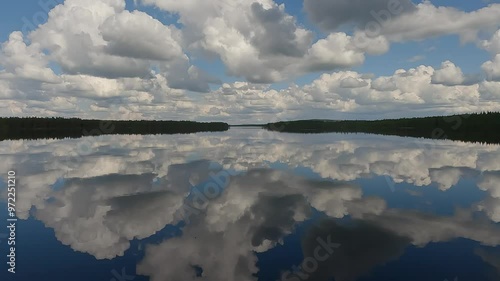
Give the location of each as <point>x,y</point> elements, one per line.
<point>249,204</point>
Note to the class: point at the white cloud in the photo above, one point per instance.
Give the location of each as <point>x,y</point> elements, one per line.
<point>492,68</point>
<point>492,45</point>
<point>431,21</point>
<point>260,41</point>
<point>99,60</point>
<point>401,21</point>
<point>138,35</point>
<point>335,51</point>
<point>24,61</point>
<point>351,82</point>
<point>73,37</point>
<point>449,74</point>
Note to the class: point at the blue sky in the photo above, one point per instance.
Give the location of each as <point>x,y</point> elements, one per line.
<point>447,48</point>
<point>427,34</point>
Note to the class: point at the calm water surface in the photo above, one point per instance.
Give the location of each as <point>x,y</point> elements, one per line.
<point>248,204</point>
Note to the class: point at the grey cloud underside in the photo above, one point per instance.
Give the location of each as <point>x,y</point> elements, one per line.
<point>181,76</point>
<point>331,14</point>
<point>120,49</point>
<point>277,33</point>
<point>138,35</point>
<point>468,80</point>
<point>111,71</point>
<point>472,79</point>
<point>96,63</point>
<point>352,83</point>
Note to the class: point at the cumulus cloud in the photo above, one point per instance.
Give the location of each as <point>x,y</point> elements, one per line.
<point>79,48</point>
<point>351,82</point>
<point>278,33</point>
<point>100,60</point>
<point>263,43</point>
<point>489,90</point>
<point>25,61</point>
<point>449,74</point>
<point>138,35</point>
<point>428,20</point>
<point>349,91</point>
<point>401,21</point>
<point>492,45</point>
<point>111,44</point>
<point>492,68</point>
<point>335,51</point>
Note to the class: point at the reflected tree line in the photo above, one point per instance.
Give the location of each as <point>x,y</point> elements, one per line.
<point>478,127</point>
<point>32,127</point>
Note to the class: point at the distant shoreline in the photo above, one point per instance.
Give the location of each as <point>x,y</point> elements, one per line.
<point>477,127</point>
<point>42,128</point>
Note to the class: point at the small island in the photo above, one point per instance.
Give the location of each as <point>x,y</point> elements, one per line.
<point>33,128</point>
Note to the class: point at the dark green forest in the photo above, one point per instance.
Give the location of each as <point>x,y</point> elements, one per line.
<point>33,128</point>
<point>477,127</point>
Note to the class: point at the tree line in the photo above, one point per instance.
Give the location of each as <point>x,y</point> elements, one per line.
<point>56,127</point>
<point>477,127</point>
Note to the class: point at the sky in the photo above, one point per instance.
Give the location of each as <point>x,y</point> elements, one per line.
<point>244,61</point>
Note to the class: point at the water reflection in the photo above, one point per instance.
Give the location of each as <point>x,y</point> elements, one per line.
<point>251,205</point>
<point>363,245</point>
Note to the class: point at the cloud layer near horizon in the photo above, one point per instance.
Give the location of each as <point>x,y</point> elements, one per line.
<point>96,59</point>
